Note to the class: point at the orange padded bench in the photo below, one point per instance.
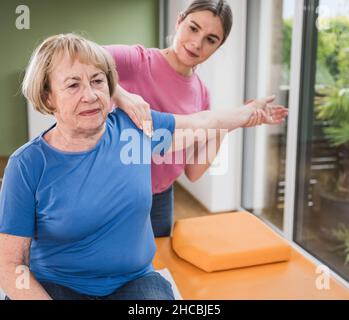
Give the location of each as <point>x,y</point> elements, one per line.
<point>236,256</point>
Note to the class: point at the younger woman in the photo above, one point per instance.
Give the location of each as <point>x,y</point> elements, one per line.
<point>167,81</point>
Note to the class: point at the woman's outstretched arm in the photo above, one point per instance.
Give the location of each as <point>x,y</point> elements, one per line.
<point>201,155</point>
<point>205,125</point>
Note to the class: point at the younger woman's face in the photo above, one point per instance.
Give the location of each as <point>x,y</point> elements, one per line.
<point>198,36</point>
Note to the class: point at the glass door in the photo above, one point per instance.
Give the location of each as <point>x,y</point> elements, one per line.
<point>322,178</point>
<point>269,42</point>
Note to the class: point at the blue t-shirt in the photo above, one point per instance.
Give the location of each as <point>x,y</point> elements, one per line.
<point>88,213</point>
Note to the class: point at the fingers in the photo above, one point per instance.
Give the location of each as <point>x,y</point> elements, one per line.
<point>276,114</point>
<point>265,113</point>
<point>269,99</point>
<point>263,102</point>
<point>278,110</point>
<point>250,121</point>
<point>132,114</point>
<point>262,116</point>
<point>257,118</point>
<point>248,101</point>
<point>147,128</point>
<point>147,123</point>
<point>141,116</point>
<point>139,111</point>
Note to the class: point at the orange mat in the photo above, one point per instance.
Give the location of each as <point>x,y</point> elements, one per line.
<point>227,241</point>
<point>293,279</point>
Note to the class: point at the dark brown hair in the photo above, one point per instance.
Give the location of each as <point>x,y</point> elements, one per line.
<point>219,8</point>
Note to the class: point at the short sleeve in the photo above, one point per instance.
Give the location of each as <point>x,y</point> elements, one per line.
<point>17,201</point>
<point>164,126</point>
<point>128,59</point>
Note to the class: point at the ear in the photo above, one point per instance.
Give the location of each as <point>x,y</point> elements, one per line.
<point>48,98</point>
<point>49,101</point>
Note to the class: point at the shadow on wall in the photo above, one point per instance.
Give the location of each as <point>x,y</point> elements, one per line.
<point>3,163</point>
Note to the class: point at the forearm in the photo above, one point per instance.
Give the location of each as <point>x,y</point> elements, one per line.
<point>202,157</point>
<point>224,119</point>
<point>20,283</point>
<point>119,94</point>
<point>199,126</point>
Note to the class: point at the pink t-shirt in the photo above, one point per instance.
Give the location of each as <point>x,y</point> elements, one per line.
<point>147,73</point>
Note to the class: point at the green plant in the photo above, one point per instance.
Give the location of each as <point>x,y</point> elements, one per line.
<point>334,111</point>
<point>333,53</point>
<point>286,50</point>
<point>342,235</point>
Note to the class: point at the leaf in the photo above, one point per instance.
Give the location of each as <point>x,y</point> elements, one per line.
<point>338,135</point>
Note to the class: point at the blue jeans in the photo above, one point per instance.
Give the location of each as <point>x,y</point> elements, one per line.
<point>161,213</point>
<point>150,287</point>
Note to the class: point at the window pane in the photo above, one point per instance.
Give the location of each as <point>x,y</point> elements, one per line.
<point>322,208</point>
<point>268,72</point>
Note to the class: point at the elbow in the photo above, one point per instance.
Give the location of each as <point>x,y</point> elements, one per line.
<point>192,176</point>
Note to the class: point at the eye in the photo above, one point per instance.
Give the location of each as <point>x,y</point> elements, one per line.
<point>194,29</point>
<point>73,85</point>
<point>97,81</point>
<point>211,40</point>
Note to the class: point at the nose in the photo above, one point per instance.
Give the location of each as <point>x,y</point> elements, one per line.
<point>197,43</point>
<point>88,94</point>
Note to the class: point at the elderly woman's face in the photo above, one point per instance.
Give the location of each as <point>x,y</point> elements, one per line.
<point>79,93</point>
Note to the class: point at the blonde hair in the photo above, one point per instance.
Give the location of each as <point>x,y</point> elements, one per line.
<point>36,86</point>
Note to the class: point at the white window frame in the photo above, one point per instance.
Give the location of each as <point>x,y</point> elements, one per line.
<point>292,130</point>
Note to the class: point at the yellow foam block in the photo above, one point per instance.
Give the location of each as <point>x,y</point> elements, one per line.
<point>228,241</point>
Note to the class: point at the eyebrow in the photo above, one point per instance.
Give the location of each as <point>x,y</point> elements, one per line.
<point>199,27</point>
<point>78,78</point>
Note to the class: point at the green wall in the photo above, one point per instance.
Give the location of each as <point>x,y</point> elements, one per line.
<point>104,21</point>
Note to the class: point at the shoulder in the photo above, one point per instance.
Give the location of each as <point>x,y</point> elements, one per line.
<point>27,162</point>
<point>120,120</point>
<point>129,58</point>
<point>29,152</point>
<point>127,51</point>
<point>143,54</point>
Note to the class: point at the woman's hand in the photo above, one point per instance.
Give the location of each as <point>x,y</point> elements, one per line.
<point>263,112</point>
<point>136,108</point>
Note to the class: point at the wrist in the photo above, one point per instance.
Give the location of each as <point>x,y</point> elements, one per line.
<point>119,96</point>
<point>116,98</point>
<point>244,115</point>
<point>234,118</point>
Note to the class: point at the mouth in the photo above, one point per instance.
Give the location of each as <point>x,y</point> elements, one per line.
<point>89,113</point>
<point>191,54</point>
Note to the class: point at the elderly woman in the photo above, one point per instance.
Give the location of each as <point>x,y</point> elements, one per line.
<point>73,212</point>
